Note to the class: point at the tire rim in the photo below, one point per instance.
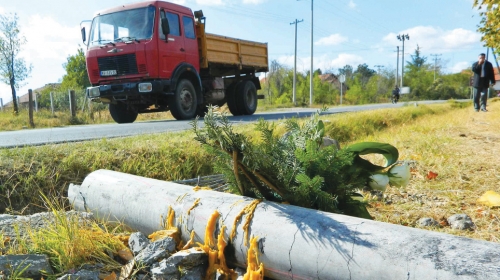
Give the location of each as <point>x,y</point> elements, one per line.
<point>250,99</point>
<point>186,99</point>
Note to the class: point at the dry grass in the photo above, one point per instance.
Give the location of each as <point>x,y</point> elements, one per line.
<point>462,147</point>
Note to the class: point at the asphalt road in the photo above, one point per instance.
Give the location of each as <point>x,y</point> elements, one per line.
<point>33,137</point>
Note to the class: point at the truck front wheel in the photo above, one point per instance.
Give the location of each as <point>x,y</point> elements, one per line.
<point>246,97</point>
<point>121,113</point>
<point>183,103</point>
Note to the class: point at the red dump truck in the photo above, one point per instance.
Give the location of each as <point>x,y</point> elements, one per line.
<point>155,56</point>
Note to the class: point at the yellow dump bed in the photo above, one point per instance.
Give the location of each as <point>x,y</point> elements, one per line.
<point>225,54</point>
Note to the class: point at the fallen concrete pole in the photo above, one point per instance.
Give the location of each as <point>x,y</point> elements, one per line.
<point>296,243</point>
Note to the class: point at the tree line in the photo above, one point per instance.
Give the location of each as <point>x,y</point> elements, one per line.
<point>364,85</point>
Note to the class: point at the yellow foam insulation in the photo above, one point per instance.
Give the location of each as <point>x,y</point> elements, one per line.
<point>194,205</point>
<point>215,252</point>
<point>170,230</point>
<point>255,270</point>
<point>198,188</point>
<point>181,197</point>
<point>248,210</point>
<point>190,242</point>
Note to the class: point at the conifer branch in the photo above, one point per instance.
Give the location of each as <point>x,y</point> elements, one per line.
<point>269,184</point>
<point>235,170</point>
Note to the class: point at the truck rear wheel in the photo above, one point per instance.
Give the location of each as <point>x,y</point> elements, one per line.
<point>246,97</point>
<point>231,97</point>
<point>183,103</point>
<point>121,113</point>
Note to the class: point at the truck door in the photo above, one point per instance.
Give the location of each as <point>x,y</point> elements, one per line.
<point>190,42</point>
<point>171,50</point>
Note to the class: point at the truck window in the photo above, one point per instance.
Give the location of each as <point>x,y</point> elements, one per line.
<point>136,23</point>
<point>188,27</point>
<point>173,22</point>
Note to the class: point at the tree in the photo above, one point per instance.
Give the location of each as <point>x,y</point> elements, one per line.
<point>347,71</point>
<point>76,72</point>
<point>418,61</point>
<point>13,69</point>
<point>490,22</point>
<point>363,73</point>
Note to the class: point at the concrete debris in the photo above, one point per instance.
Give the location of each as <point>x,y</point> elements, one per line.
<point>461,222</point>
<point>186,265</point>
<point>159,257</point>
<point>81,275</point>
<point>155,251</point>
<point>428,222</point>
<point>33,265</point>
<point>137,242</point>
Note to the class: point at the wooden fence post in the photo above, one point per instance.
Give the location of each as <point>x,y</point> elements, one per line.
<point>1,104</point>
<point>72,103</point>
<point>52,103</point>
<point>30,107</point>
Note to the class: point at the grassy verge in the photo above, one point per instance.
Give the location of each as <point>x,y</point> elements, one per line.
<point>25,172</point>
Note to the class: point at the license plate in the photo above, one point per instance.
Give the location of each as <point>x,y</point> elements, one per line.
<point>108,73</point>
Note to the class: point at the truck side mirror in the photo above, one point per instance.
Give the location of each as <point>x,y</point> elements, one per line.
<point>84,37</point>
<point>165,27</point>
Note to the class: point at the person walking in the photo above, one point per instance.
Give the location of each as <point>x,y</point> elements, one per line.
<point>483,76</point>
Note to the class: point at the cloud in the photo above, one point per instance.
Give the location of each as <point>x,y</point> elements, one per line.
<point>458,67</point>
<point>352,5</point>
<point>340,61</point>
<point>48,39</point>
<point>432,39</point>
<point>331,40</point>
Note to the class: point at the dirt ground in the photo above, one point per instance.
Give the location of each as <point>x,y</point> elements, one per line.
<point>455,160</point>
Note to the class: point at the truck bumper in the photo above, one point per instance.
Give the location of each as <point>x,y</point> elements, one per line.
<point>120,91</point>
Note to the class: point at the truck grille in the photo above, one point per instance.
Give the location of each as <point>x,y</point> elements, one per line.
<point>123,64</point>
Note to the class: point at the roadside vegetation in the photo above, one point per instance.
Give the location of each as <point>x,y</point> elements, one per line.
<point>450,141</point>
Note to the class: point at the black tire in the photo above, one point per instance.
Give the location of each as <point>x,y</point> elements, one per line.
<point>121,113</point>
<point>246,97</point>
<point>231,97</point>
<point>183,104</point>
<point>201,110</point>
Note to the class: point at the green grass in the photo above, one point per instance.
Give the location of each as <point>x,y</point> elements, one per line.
<point>25,172</point>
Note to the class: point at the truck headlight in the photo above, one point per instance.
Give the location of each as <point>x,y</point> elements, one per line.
<point>145,87</point>
<point>93,92</point>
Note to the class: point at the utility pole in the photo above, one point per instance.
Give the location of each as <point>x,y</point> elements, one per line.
<point>378,79</point>
<point>397,67</point>
<point>295,64</point>
<point>435,62</point>
<point>312,57</point>
<point>403,38</point>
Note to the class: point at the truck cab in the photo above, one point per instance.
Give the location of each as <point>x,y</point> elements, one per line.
<point>145,57</point>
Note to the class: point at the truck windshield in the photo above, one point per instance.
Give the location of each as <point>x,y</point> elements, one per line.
<point>131,25</point>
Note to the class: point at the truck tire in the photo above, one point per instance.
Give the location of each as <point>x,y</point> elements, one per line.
<point>246,97</point>
<point>121,113</point>
<point>201,111</point>
<point>183,103</point>
<point>231,97</point>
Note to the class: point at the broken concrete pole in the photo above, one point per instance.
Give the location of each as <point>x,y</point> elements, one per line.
<point>295,242</point>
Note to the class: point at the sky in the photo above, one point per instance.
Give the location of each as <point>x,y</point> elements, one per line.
<point>345,32</point>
